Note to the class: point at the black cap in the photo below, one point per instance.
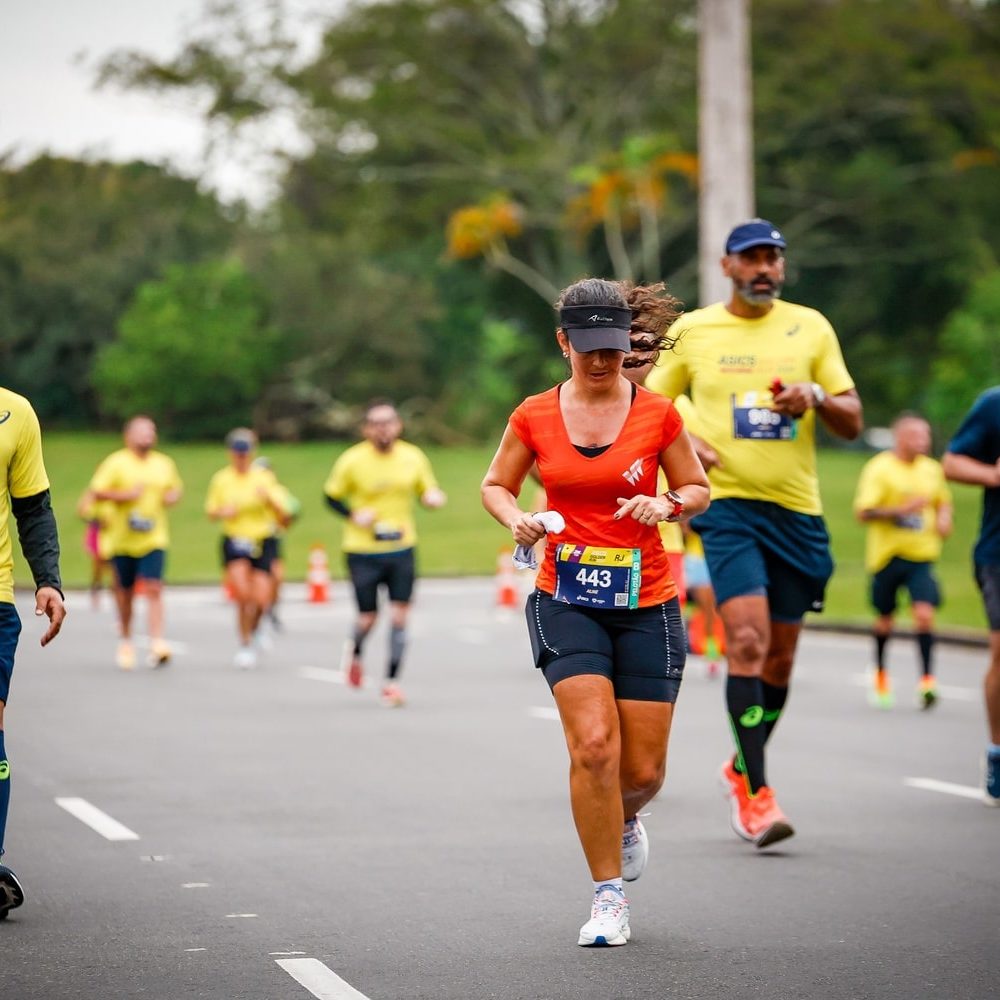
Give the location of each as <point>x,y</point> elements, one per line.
<point>597,328</point>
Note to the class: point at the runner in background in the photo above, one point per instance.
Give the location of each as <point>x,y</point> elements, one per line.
<point>903,500</point>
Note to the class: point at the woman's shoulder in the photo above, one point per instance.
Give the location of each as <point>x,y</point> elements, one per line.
<point>540,403</point>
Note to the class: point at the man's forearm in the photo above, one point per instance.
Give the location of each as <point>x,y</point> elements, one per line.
<point>39,538</point>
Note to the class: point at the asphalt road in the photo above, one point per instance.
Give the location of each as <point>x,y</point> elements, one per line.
<point>286,837</point>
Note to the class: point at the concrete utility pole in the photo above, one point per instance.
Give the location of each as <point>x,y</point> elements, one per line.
<point>725,135</point>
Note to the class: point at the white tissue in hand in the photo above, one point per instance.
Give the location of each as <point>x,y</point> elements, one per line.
<point>552,521</point>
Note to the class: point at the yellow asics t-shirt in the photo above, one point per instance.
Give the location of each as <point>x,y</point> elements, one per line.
<point>726,364</point>
<point>24,473</point>
<point>888,481</point>
<point>137,526</point>
<point>387,483</point>
<point>247,491</point>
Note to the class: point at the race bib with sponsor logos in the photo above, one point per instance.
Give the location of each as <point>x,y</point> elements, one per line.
<point>598,577</point>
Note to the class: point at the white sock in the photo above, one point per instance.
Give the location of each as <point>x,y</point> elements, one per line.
<point>615,883</point>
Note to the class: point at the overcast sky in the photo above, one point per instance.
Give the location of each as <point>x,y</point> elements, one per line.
<point>48,50</point>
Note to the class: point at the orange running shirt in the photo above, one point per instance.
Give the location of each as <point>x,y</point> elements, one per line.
<point>586,490</point>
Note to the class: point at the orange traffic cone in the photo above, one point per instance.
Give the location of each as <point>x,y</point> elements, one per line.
<point>227,591</point>
<point>318,576</point>
<point>139,587</point>
<point>506,583</point>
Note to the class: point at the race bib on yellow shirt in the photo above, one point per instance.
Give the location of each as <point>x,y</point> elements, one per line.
<point>597,577</point>
<point>756,421</point>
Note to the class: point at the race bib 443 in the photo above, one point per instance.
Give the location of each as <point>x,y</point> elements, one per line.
<point>597,577</point>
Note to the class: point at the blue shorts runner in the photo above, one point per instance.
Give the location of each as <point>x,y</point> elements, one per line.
<point>917,577</point>
<point>10,629</point>
<point>640,651</point>
<point>397,571</point>
<point>756,547</point>
<point>988,578</point>
<point>260,554</point>
<point>149,567</point>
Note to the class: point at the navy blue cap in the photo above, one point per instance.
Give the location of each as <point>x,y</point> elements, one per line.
<point>755,233</point>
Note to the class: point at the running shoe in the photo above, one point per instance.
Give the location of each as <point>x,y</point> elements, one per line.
<point>880,695</point>
<point>608,923</point>
<point>734,787</point>
<point>350,664</point>
<point>991,779</point>
<point>11,893</point>
<point>927,692</point>
<point>392,694</point>
<point>763,820</point>
<point>245,658</point>
<point>635,849</point>
<point>125,657</point>
<point>159,653</point>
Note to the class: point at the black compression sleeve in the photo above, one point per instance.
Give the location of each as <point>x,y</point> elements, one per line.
<point>339,506</point>
<point>39,537</point>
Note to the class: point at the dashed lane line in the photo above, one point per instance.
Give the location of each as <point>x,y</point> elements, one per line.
<point>97,820</point>
<point>547,712</point>
<point>321,981</point>
<point>325,674</point>
<point>945,787</point>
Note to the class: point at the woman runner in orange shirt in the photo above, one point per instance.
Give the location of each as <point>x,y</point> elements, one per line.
<point>604,621</point>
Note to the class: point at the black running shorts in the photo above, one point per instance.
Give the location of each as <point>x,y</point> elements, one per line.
<point>396,571</point>
<point>641,651</point>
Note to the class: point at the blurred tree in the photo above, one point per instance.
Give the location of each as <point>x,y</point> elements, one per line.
<point>76,239</point>
<point>195,350</point>
<point>877,152</point>
<point>968,358</point>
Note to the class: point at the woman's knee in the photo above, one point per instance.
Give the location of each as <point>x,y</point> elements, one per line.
<point>643,778</point>
<point>596,751</point>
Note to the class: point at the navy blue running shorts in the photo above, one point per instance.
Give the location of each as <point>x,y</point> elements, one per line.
<point>641,651</point>
<point>10,629</point>
<point>149,567</point>
<point>988,578</point>
<point>396,571</point>
<point>755,547</point>
<point>917,577</point>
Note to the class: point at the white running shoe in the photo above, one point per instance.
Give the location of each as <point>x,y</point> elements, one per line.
<point>635,850</point>
<point>245,658</point>
<point>608,923</point>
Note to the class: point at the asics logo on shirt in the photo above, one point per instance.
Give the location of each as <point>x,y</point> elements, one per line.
<point>5,416</point>
<point>634,472</point>
<point>794,330</point>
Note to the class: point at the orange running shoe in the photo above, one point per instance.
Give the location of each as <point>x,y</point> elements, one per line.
<point>350,664</point>
<point>734,787</point>
<point>763,820</point>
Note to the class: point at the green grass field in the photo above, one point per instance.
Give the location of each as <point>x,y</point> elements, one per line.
<point>462,539</point>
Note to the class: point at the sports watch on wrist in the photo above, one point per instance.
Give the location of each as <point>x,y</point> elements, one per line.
<point>678,501</point>
<point>819,394</point>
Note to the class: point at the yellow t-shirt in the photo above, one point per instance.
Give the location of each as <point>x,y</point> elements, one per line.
<point>137,527</point>
<point>671,536</point>
<point>387,483</point>
<point>726,364</point>
<point>887,481</point>
<point>24,473</point>
<point>248,491</point>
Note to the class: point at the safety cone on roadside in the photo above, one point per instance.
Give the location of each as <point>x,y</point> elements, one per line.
<point>227,591</point>
<point>506,582</point>
<point>318,576</point>
<point>139,587</point>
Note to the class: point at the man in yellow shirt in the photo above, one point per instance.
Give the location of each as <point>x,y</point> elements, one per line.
<point>903,498</point>
<point>24,492</point>
<point>373,485</point>
<point>139,484</point>
<point>759,372</point>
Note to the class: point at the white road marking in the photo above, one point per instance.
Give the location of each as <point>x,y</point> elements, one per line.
<point>195,885</point>
<point>322,674</point>
<point>949,692</point>
<point>98,821</point>
<point>548,712</point>
<point>196,949</point>
<point>273,953</point>
<point>945,787</point>
<point>238,916</point>
<point>321,982</point>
